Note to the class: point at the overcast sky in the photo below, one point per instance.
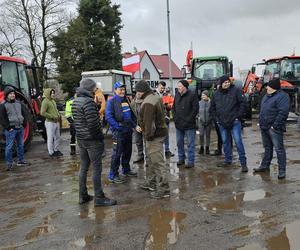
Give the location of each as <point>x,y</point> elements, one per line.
<point>245,31</point>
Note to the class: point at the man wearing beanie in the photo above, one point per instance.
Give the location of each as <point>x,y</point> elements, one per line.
<point>154,129</point>
<point>121,121</point>
<point>185,110</point>
<point>274,112</point>
<point>227,109</point>
<point>12,119</point>
<point>90,141</point>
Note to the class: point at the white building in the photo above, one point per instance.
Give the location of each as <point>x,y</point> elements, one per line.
<point>155,68</point>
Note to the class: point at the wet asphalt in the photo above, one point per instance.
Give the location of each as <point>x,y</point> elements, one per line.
<point>209,208</point>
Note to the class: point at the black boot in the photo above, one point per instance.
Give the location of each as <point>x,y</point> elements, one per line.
<point>73,150</point>
<point>104,202</point>
<point>207,150</point>
<point>201,150</point>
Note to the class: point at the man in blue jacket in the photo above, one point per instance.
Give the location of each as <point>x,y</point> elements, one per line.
<point>274,112</point>
<point>121,121</point>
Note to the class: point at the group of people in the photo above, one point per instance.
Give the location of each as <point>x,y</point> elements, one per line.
<point>145,120</point>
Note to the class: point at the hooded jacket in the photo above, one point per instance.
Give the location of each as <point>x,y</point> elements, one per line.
<point>86,117</point>
<point>227,106</point>
<point>12,114</point>
<point>49,108</point>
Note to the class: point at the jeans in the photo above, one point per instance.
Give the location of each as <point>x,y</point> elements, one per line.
<point>166,141</point>
<point>90,152</point>
<point>191,134</point>
<point>270,139</point>
<point>235,131</point>
<point>122,149</point>
<point>11,136</point>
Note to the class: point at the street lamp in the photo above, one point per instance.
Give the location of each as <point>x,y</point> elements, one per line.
<point>169,41</point>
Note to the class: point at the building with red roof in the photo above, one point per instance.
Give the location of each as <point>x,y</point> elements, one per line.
<point>155,68</point>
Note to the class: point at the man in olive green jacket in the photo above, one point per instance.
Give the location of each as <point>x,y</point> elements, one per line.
<point>50,112</point>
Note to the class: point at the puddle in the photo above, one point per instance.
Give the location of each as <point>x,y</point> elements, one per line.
<point>254,246</point>
<point>211,179</point>
<point>165,229</point>
<point>45,228</point>
<point>287,239</point>
<point>82,242</point>
<point>73,169</point>
<point>235,202</point>
<point>294,162</point>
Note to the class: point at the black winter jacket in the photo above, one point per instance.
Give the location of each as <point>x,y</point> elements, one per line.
<point>185,110</point>
<point>274,111</point>
<point>86,117</point>
<point>227,106</point>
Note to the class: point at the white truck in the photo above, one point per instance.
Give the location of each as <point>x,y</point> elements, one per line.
<point>107,78</point>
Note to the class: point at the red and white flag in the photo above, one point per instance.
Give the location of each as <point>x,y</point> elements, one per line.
<point>189,57</point>
<point>131,64</point>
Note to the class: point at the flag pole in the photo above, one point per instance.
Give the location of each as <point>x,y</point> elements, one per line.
<point>169,42</point>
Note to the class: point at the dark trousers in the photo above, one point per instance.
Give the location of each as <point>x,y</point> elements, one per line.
<point>273,139</point>
<point>73,134</point>
<point>90,152</point>
<point>220,143</point>
<point>122,149</point>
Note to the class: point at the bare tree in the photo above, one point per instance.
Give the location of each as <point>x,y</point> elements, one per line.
<point>10,39</point>
<point>38,21</point>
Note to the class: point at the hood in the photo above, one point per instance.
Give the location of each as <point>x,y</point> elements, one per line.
<point>84,92</point>
<point>47,93</point>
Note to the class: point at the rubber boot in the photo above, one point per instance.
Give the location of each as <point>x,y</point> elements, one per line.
<point>73,150</point>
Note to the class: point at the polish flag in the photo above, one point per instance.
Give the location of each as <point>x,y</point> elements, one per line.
<point>131,64</point>
<point>189,57</point>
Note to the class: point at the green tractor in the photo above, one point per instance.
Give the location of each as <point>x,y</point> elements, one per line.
<point>206,72</point>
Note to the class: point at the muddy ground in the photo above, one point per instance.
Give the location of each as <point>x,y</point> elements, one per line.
<point>210,208</point>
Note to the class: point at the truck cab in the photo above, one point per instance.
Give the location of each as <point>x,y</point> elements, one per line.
<point>206,71</point>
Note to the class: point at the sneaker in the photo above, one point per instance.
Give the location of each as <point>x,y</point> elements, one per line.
<point>190,165</point>
<point>22,163</point>
<point>130,174</point>
<point>159,195</point>
<point>116,180</point>
<point>244,169</point>
<point>224,164</point>
<point>281,176</point>
<point>169,154</point>
<point>9,167</point>
<point>104,202</point>
<point>261,169</point>
<point>86,199</point>
<point>147,186</point>
<point>180,163</point>
<point>58,153</point>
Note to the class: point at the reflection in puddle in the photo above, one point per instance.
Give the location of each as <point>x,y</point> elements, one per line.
<point>236,201</point>
<point>83,242</point>
<point>212,179</point>
<point>45,228</point>
<point>165,229</point>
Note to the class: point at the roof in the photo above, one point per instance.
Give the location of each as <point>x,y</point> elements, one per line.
<point>12,59</point>
<point>210,58</point>
<point>161,62</point>
<point>105,72</point>
<point>282,57</point>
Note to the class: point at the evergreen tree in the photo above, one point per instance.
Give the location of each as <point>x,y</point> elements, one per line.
<point>91,42</point>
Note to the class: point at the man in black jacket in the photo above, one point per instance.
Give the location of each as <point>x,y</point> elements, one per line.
<point>12,119</point>
<point>227,108</point>
<point>90,140</point>
<point>185,110</point>
<point>274,112</point>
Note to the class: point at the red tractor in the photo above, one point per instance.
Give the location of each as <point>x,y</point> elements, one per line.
<point>27,81</point>
<point>286,68</point>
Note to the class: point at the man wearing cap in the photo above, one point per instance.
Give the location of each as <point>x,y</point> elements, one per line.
<point>121,120</point>
<point>154,129</point>
<point>227,109</point>
<point>274,112</point>
<point>90,141</point>
<point>12,119</point>
<point>185,110</point>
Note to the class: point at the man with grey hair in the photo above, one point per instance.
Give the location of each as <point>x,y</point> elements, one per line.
<point>90,140</point>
